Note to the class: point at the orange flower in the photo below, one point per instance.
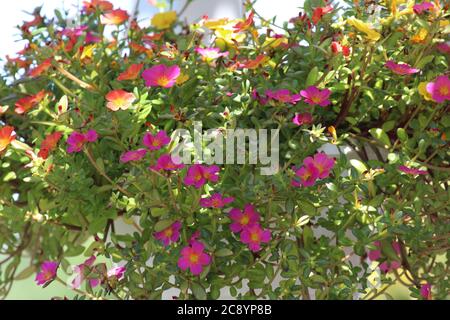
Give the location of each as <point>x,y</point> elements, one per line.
<point>38,70</point>
<point>91,7</point>
<point>119,99</point>
<point>244,25</point>
<point>131,73</point>
<point>26,103</point>
<point>256,63</point>
<point>49,144</point>
<point>7,135</point>
<point>114,17</point>
<point>18,62</point>
<point>137,48</point>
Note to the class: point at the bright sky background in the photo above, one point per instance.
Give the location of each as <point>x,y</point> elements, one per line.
<point>12,13</point>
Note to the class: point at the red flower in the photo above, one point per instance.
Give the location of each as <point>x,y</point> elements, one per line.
<point>131,73</point>
<point>114,17</point>
<point>40,69</point>
<point>49,144</point>
<point>26,103</point>
<point>318,13</point>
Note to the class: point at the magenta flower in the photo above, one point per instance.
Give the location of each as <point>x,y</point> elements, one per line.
<point>47,273</point>
<point>254,235</point>
<point>283,96</point>
<point>117,272</point>
<point>198,175</point>
<point>302,118</point>
<point>243,219</point>
<point>169,235</point>
<point>412,171</point>
<point>439,89</point>
<point>322,163</point>
<point>134,155</point>
<point>444,47</point>
<point>400,68</point>
<point>315,96</point>
<point>424,6</point>
<point>215,201</point>
<point>425,291</point>
<point>376,255</point>
<point>77,140</point>
<point>194,258</point>
<point>168,163</point>
<point>161,75</point>
<point>156,142</point>
<point>209,54</point>
<point>256,96</point>
<point>308,176</point>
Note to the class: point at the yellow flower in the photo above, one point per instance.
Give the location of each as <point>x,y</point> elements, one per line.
<point>214,24</point>
<point>164,20</point>
<point>371,34</point>
<point>274,42</point>
<point>229,35</point>
<point>423,91</point>
<point>182,78</point>
<point>87,53</point>
<point>420,36</point>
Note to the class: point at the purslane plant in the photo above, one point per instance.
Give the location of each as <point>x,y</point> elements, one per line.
<point>87,116</point>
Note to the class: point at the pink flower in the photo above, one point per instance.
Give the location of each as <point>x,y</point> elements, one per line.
<point>254,235</point>
<point>302,118</point>
<point>194,258</point>
<point>439,89</point>
<point>314,95</point>
<point>425,291</point>
<point>307,175</point>
<point>424,6</point>
<point>400,68</point>
<point>242,220</point>
<point>376,255</point>
<point>82,270</point>
<point>134,155</point>
<point>198,175</point>
<point>412,170</point>
<point>77,140</point>
<point>156,142</point>
<point>119,100</point>
<point>47,273</point>
<point>322,163</point>
<point>167,163</point>
<point>215,201</point>
<point>209,54</point>
<point>117,272</point>
<point>283,96</point>
<point>169,235</point>
<point>161,75</point>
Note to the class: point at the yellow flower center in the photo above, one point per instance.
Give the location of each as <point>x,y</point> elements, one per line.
<point>163,81</point>
<point>254,237</point>
<point>193,258</point>
<point>444,90</point>
<point>245,220</point>
<point>168,232</point>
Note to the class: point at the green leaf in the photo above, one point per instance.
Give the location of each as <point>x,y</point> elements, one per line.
<point>198,291</point>
<point>358,165</point>
<point>381,136</point>
<point>224,252</point>
<point>312,77</point>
